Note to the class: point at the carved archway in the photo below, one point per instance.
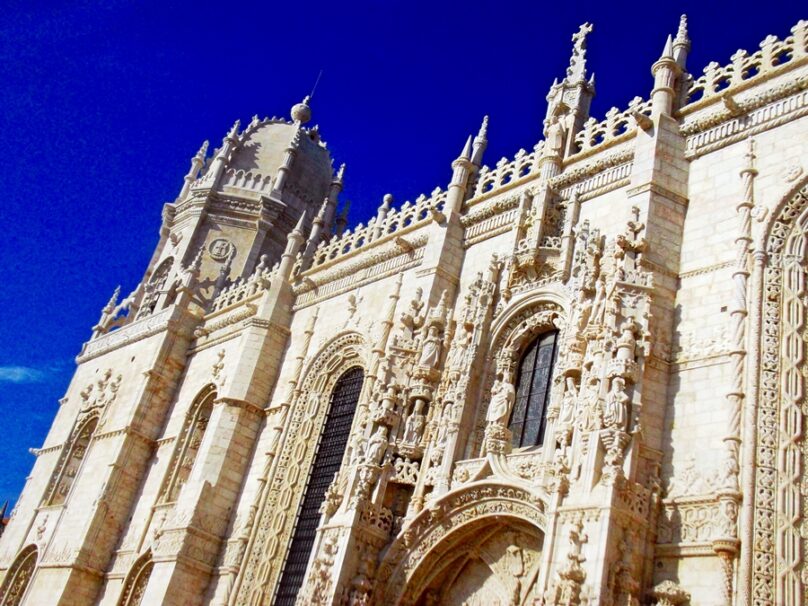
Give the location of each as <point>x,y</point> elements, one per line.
<point>18,577</point>
<point>307,412</point>
<point>780,524</point>
<point>458,549</point>
<point>512,331</point>
<point>135,584</point>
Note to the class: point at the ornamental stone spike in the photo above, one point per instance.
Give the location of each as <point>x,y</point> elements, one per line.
<point>681,44</point>
<point>480,143</point>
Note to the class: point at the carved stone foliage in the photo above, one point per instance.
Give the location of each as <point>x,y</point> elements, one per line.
<point>18,577</point>
<point>262,563</point>
<point>136,581</point>
<point>780,506</point>
<point>412,566</point>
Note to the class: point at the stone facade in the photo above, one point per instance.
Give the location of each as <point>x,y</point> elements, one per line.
<point>663,246</point>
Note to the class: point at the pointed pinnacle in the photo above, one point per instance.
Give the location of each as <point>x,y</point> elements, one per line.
<point>298,230</point>
<point>667,52</point>
<point>113,300</point>
<point>340,173</point>
<point>323,208</point>
<point>203,151</point>
<point>681,34</point>
<point>234,130</point>
<point>466,153</point>
<point>483,133</point>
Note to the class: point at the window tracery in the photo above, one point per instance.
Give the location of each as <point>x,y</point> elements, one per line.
<point>533,382</point>
<point>155,287</point>
<point>72,462</point>
<point>196,422</point>
<point>327,462</point>
<point>18,577</point>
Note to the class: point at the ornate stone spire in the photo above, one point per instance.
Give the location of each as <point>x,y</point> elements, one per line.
<point>577,70</point>
<point>480,143</point>
<point>681,44</point>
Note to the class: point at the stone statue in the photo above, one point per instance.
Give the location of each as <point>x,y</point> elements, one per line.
<point>414,427</point>
<point>458,353</point>
<point>430,354</point>
<point>568,402</point>
<point>376,446</point>
<point>615,410</point>
<point>503,395</point>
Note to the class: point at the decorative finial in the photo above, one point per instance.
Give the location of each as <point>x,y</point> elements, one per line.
<point>681,34</point>
<point>234,130</point>
<point>323,209</point>
<point>577,69</point>
<point>483,133</point>
<point>203,151</point>
<point>340,176</point>
<point>301,112</point>
<point>387,202</point>
<point>113,300</point>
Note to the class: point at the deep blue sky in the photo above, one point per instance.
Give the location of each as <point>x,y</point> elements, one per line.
<point>103,104</point>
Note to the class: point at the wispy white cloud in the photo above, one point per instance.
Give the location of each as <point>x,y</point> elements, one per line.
<point>21,374</point>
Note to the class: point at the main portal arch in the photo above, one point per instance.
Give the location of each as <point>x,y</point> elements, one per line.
<point>481,544</point>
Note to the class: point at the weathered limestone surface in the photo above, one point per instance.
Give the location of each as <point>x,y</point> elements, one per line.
<point>663,246</point>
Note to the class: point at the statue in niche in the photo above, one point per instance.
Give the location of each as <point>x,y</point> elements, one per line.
<point>430,354</point>
<point>568,403</point>
<point>503,396</point>
<point>587,408</point>
<point>626,343</point>
<point>358,445</point>
<point>615,410</point>
<point>555,136</point>
<point>414,427</point>
<point>376,446</point>
<point>457,355</point>
<point>447,418</point>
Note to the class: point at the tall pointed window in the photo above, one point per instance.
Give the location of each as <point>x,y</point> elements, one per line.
<point>69,469</point>
<point>18,577</point>
<point>533,391</point>
<point>333,442</point>
<point>136,581</point>
<point>193,430</point>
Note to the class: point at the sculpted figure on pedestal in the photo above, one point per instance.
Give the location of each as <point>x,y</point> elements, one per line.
<point>502,398</point>
<point>568,402</point>
<point>615,410</point>
<point>376,446</point>
<point>414,427</point>
<point>430,354</point>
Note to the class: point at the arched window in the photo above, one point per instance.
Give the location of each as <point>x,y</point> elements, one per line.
<point>135,585</point>
<point>333,442</point>
<point>193,430</point>
<point>18,577</point>
<point>533,391</point>
<point>154,288</point>
<point>67,472</point>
